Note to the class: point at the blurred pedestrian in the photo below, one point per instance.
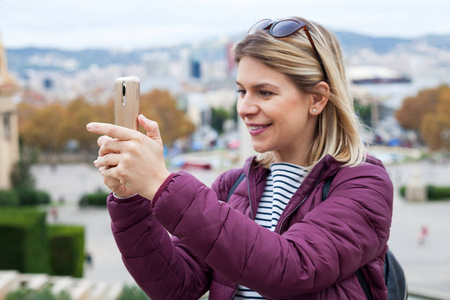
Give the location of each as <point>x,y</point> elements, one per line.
<point>88,259</point>
<point>54,212</point>
<point>423,235</point>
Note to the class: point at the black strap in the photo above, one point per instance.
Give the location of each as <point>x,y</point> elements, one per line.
<point>365,286</point>
<point>235,185</point>
<point>326,187</point>
<point>362,281</point>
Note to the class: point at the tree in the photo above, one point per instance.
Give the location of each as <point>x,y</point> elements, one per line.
<point>413,109</point>
<point>160,106</point>
<point>435,126</point>
<point>43,127</point>
<point>218,118</point>
<point>50,127</point>
<point>81,113</point>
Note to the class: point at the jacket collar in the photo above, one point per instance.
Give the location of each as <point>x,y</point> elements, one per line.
<point>326,167</point>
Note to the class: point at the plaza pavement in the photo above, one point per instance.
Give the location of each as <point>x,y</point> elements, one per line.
<point>426,265</point>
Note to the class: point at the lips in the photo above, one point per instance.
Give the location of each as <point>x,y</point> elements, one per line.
<point>257,129</point>
<point>253,127</point>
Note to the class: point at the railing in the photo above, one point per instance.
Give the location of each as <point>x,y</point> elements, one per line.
<point>416,293</point>
<point>81,289</point>
<point>78,289</point>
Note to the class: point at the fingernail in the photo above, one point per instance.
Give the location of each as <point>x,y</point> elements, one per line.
<point>88,126</point>
<point>95,162</point>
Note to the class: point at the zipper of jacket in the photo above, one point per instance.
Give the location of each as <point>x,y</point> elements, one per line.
<point>303,201</point>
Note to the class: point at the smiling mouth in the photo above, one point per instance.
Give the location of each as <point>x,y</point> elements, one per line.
<point>253,128</point>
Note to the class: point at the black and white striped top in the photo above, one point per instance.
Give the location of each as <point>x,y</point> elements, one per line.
<point>282,182</point>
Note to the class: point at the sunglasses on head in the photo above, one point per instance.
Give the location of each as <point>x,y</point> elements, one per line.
<point>284,28</point>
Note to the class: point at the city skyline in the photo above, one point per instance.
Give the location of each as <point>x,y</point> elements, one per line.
<point>141,24</point>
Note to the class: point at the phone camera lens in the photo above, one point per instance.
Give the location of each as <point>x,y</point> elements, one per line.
<point>124,93</point>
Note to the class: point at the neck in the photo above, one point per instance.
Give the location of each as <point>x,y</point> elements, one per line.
<point>295,159</point>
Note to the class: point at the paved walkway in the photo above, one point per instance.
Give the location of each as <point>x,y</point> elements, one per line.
<point>426,265</point>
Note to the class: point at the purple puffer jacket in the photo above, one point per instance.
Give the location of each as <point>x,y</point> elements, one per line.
<point>314,253</point>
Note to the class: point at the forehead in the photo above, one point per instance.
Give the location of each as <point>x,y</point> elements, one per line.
<point>253,72</point>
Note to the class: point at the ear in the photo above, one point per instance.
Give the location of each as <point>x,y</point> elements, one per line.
<point>320,98</point>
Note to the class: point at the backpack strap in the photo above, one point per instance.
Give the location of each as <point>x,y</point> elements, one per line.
<point>234,186</point>
<point>365,286</point>
<point>362,281</point>
<point>326,187</point>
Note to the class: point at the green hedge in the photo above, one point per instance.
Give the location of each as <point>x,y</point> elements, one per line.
<point>23,235</point>
<point>43,294</point>
<point>94,199</point>
<point>24,197</point>
<point>434,193</point>
<point>29,245</point>
<point>438,192</point>
<point>31,197</point>
<point>132,293</point>
<point>8,198</point>
<point>66,250</point>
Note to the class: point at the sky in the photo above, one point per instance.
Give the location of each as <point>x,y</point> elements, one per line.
<point>139,24</point>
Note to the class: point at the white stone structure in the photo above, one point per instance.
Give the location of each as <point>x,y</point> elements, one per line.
<point>9,129</point>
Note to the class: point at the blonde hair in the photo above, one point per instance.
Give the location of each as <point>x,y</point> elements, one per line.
<point>338,128</point>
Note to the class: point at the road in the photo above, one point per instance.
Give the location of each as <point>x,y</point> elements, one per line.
<point>426,265</point>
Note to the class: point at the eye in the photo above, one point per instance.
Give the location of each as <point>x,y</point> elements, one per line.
<point>265,94</point>
<point>241,92</point>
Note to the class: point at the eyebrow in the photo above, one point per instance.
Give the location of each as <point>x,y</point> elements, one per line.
<point>260,85</point>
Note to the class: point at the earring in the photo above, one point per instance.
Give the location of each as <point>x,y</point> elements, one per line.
<point>314,110</point>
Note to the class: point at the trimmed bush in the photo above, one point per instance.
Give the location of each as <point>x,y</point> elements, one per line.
<point>434,193</point>
<point>94,199</point>
<point>23,236</point>
<point>8,198</point>
<point>403,191</point>
<point>66,245</point>
<point>438,192</point>
<point>132,293</point>
<point>31,197</point>
<point>43,294</point>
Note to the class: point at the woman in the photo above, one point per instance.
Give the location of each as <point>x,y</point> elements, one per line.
<point>273,238</point>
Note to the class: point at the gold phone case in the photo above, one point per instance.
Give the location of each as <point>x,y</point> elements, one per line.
<point>126,102</point>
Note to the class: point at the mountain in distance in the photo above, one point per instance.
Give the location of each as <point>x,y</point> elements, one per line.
<point>23,59</point>
<point>351,42</point>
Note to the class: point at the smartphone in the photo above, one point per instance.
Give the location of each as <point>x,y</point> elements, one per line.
<point>126,102</point>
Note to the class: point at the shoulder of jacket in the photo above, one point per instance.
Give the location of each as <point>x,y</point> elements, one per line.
<point>225,181</point>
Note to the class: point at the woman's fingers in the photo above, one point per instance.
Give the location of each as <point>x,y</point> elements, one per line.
<point>101,140</point>
<point>109,160</point>
<point>129,160</point>
<point>110,146</point>
<point>152,129</point>
<point>113,131</point>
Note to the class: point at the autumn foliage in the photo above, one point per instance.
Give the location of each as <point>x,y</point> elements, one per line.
<point>51,126</point>
<point>429,113</point>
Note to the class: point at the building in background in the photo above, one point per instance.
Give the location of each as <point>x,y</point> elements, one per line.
<point>9,128</point>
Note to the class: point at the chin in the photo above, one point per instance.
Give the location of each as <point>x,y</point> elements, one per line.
<point>260,148</point>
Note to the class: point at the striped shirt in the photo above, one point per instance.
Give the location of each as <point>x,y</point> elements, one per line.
<point>282,182</point>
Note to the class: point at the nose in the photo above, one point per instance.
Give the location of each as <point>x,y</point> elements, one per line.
<point>247,106</point>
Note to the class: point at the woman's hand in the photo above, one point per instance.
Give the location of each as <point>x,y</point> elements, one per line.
<point>130,161</point>
<point>113,184</point>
